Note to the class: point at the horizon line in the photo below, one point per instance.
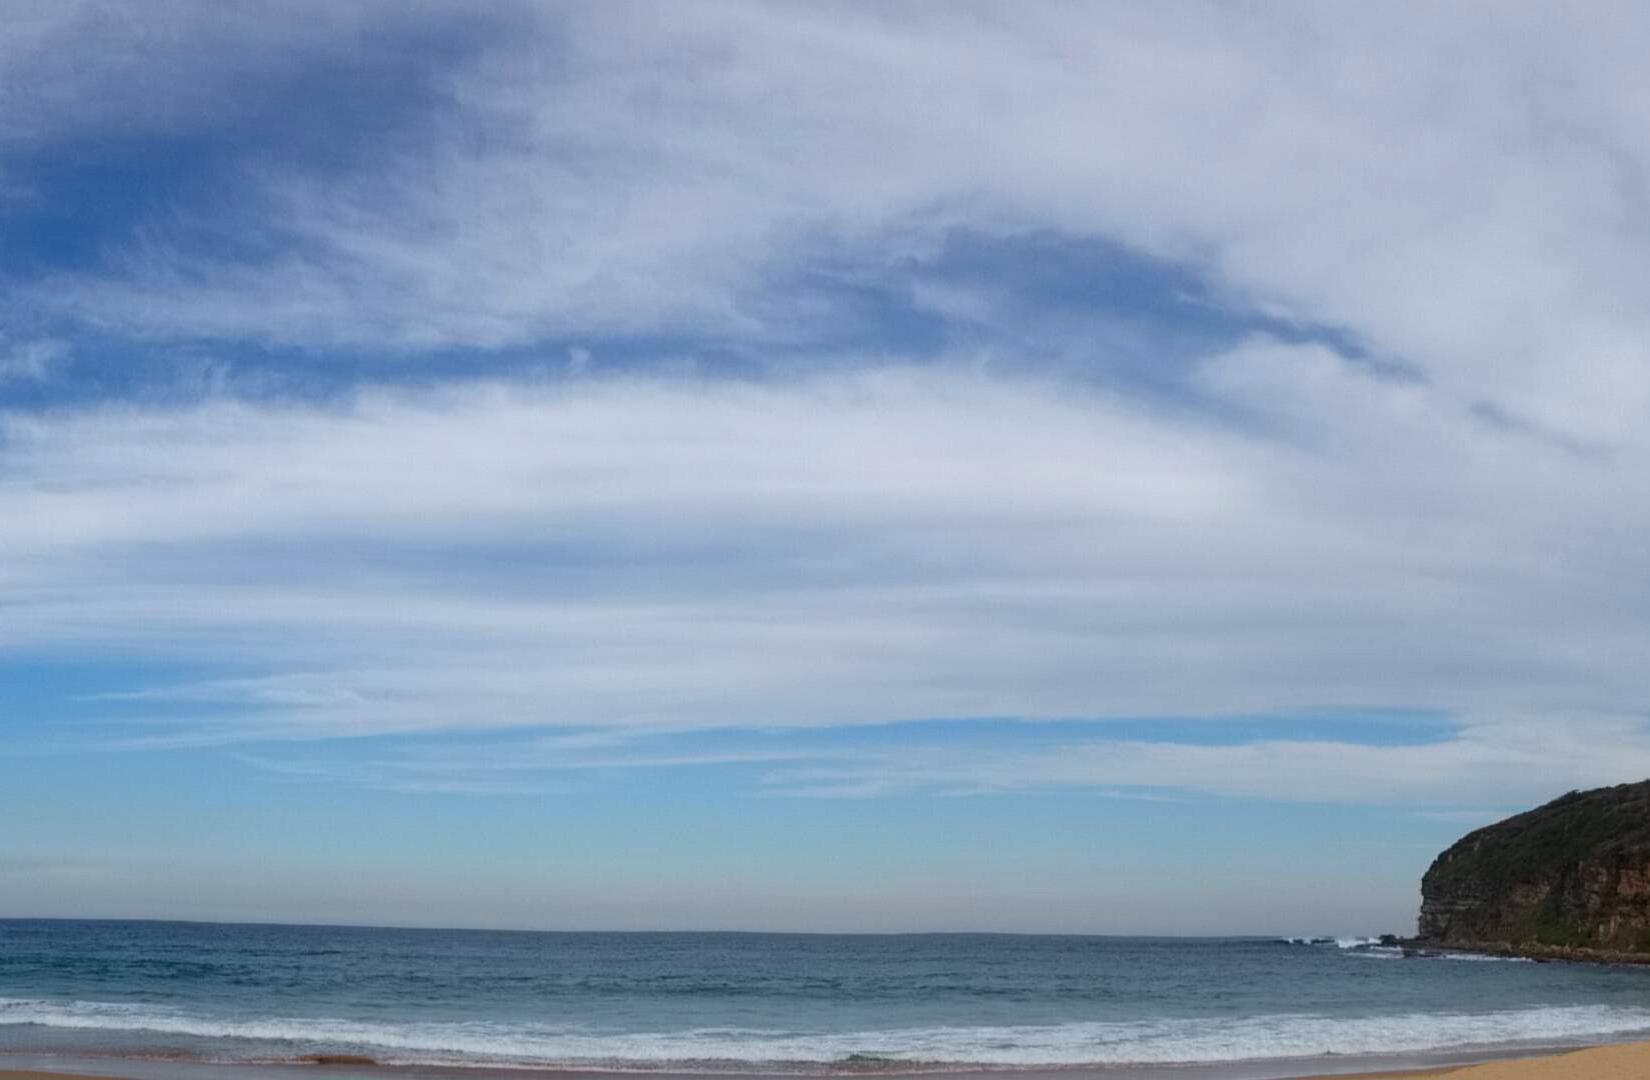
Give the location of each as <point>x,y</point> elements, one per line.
<point>150,920</point>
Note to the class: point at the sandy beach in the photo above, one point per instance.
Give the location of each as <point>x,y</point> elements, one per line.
<point>1625,1061</point>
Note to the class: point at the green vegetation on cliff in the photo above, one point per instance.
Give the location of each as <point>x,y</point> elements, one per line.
<point>1575,873</point>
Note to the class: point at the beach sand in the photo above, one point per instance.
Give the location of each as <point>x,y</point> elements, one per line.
<point>1626,1061</point>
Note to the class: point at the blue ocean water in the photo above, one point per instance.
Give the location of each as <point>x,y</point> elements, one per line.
<point>769,1002</point>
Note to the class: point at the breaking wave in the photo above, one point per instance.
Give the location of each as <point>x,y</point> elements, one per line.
<point>1338,942</point>
<point>1156,1041</point>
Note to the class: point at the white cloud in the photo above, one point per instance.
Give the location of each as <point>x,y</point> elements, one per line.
<point>1458,186</point>
<point>857,548</point>
<point>1509,762</point>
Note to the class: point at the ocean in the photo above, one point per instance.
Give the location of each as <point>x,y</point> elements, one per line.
<point>774,1003</point>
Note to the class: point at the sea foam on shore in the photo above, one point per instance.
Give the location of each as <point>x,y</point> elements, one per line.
<point>1152,1041</point>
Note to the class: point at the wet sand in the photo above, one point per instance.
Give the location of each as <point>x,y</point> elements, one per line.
<point>1625,1061</point>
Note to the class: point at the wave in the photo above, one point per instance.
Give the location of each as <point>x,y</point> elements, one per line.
<point>1485,958</point>
<point>1141,1042</point>
<point>1372,948</point>
<point>1338,942</point>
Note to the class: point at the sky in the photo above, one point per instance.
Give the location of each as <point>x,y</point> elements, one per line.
<point>713,465</point>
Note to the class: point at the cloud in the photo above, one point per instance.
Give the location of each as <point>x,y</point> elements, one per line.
<point>1505,762</point>
<point>1456,187</point>
<point>31,361</point>
<point>660,554</point>
<point>185,67</point>
<point>1443,507</point>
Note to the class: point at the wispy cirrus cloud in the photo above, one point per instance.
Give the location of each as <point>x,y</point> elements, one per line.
<point>656,555</point>
<point>1406,469</point>
<point>1451,770</point>
<point>1506,761</point>
<point>565,168</point>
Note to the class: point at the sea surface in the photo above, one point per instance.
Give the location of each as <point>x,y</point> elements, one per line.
<point>772,1003</point>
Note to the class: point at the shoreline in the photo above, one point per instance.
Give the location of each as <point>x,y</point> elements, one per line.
<point>1609,1061</point>
<point>1565,954</point>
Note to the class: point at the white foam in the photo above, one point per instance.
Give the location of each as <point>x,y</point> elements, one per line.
<point>1482,958</point>
<point>1159,1041</point>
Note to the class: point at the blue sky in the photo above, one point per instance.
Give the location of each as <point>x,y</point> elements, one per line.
<point>758,466</point>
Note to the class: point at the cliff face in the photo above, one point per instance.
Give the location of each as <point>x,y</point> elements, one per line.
<point>1574,873</point>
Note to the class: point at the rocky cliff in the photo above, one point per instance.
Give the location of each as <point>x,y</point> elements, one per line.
<point>1573,874</point>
